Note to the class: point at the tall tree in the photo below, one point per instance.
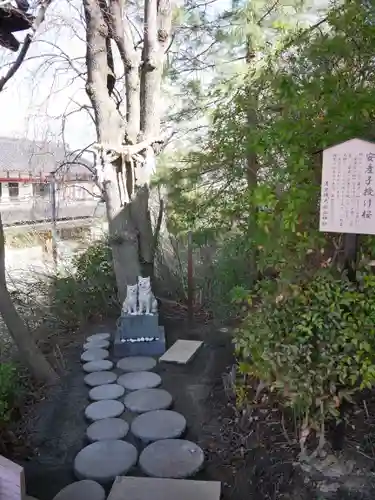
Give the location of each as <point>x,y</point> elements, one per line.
<point>30,354</point>
<point>127,144</point>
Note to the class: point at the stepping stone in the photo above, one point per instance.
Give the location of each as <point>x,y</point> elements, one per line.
<point>139,488</point>
<point>94,355</point>
<point>100,365</point>
<point>136,364</point>
<point>108,428</point>
<point>174,458</point>
<point>134,381</point>
<point>98,336</point>
<point>99,344</point>
<point>100,378</point>
<point>106,391</point>
<point>148,400</point>
<point>108,408</point>
<point>80,490</point>
<point>104,460</point>
<point>181,352</point>
<point>159,424</point>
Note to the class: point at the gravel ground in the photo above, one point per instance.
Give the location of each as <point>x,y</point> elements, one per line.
<point>248,453</point>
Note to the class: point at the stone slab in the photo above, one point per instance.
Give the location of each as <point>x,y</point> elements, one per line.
<point>80,490</point>
<point>171,458</point>
<point>12,480</point>
<point>138,488</point>
<point>94,355</point>
<point>100,365</point>
<point>108,408</point>
<point>108,428</point>
<point>98,336</point>
<point>136,364</point>
<point>148,400</point>
<point>96,344</point>
<point>159,424</point>
<point>106,391</point>
<point>100,378</point>
<point>155,348</point>
<point>181,351</point>
<point>102,461</point>
<point>139,380</point>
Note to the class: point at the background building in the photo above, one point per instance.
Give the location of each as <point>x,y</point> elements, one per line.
<point>25,182</point>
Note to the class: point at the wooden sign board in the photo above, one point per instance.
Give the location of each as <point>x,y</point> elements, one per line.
<point>12,480</point>
<point>347,203</point>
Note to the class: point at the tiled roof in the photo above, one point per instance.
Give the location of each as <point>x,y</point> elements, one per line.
<point>35,158</point>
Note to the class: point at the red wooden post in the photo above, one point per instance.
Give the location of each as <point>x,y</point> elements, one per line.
<point>190,278</point>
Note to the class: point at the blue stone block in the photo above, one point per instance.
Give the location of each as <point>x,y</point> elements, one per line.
<point>140,325</point>
<point>130,328</point>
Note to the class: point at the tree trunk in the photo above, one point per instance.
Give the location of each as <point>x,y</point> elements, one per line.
<point>130,229</point>
<point>252,165</point>
<point>29,351</point>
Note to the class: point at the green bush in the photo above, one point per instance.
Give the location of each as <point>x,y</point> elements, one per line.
<point>8,390</point>
<point>313,342</point>
<point>232,267</point>
<point>90,290</point>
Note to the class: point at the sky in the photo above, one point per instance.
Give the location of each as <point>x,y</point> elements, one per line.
<point>44,89</point>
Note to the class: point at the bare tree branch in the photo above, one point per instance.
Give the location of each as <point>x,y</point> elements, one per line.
<point>26,44</point>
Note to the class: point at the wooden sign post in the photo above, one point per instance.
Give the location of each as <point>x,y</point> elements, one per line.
<point>347,203</point>
<point>190,280</point>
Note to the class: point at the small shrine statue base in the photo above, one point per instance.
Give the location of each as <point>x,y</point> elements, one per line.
<point>139,335</point>
<point>138,331</point>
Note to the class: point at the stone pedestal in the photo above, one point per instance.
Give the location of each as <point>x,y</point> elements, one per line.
<point>133,336</point>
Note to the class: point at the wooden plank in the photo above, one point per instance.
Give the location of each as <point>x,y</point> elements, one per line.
<point>181,351</point>
<point>147,488</point>
<point>12,480</point>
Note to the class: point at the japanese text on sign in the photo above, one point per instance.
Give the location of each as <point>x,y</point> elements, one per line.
<point>347,203</point>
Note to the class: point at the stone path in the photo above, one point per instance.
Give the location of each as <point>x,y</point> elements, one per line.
<point>139,380</point>
<point>108,428</point>
<point>129,391</point>
<point>148,400</point>
<point>80,490</point>
<point>97,366</point>
<point>184,459</point>
<point>160,424</point>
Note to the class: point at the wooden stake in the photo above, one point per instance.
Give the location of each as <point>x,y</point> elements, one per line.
<point>190,279</point>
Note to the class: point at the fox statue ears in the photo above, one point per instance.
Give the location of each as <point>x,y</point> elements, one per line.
<point>143,280</point>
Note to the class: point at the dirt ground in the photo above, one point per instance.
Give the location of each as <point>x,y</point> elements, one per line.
<point>249,453</point>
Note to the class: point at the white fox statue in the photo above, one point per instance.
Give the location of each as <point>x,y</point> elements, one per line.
<point>146,299</point>
<point>130,303</point>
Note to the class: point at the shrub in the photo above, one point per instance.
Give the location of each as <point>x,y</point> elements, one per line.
<point>8,390</point>
<point>313,342</point>
<point>90,290</point>
<point>232,267</point>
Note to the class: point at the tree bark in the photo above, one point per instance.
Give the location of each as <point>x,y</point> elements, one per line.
<point>121,33</point>
<point>110,130</point>
<point>157,30</point>
<point>130,228</point>
<point>158,18</point>
<point>30,354</point>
